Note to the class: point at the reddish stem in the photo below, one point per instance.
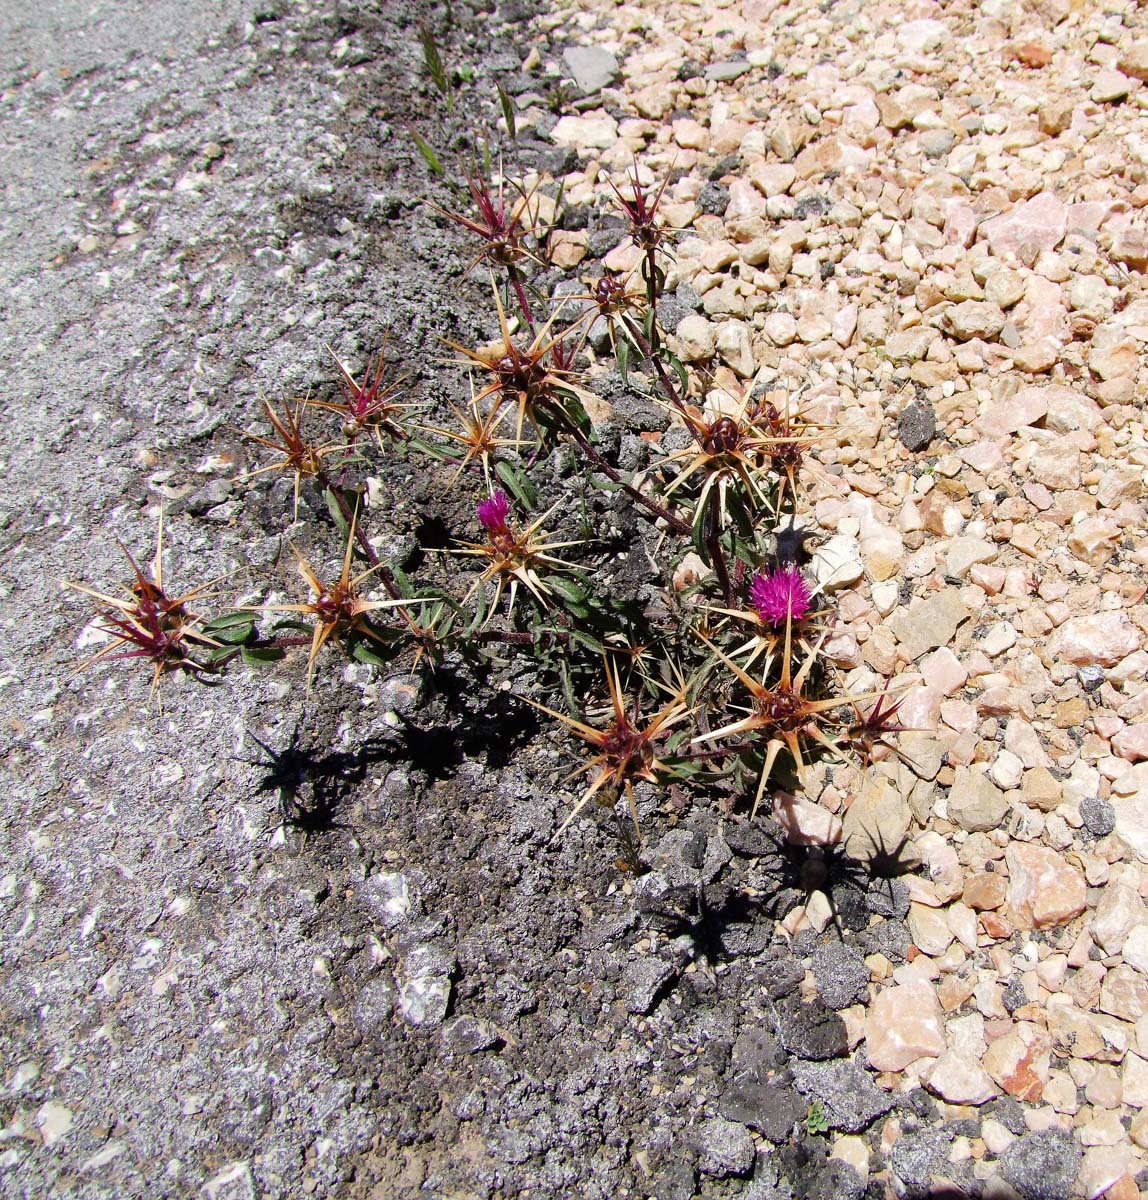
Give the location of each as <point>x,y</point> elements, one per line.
<point>372,557</point>
<point>520,291</point>
<point>647,352</point>
<point>675,522</point>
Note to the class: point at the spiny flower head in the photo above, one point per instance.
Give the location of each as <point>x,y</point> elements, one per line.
<point>641,210</point>
<point>492,513</point>
<point>780,596</point>
<point>340,614</point>
<point>147,623</point>
<point>625,748</point>
<point>370,403</point>
<point>514,556</point>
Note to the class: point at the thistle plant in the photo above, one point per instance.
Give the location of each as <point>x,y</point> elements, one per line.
<point>150,625</point>
<point>640,207</point>
<point>674,568</point>
<point>780,597</point>
<point>626,748</point>
<point>300,455</point>
<point>370,405</point>
<point>514,557</point>
<point>476,434</point>
<point>337,610</point>
<point>527,379</point>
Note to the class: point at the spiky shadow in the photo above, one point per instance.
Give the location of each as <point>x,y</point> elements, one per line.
<point>497,733</point>
<point>310,786</point>
<point>797,871</point>
<point>709,926</point>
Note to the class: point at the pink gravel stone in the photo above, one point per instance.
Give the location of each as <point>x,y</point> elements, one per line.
<point>904,1024</point>
<point>1124,993</point>
<point>806,823</point>
<point>1019,1061</point>
<point>1132,742</point>
<point>942,671</point>
<point>1027,407</point>
<point>1103,638</point>
<point>1069,410</point>
<point>920,708</point>
<point>1045,316</point>
<point>1023,741</point>
<point>1119,912</point>
<point>982,456</point>
<point>959,1079</point>
<point>1038,224</point>
<point>961,225</point>
<point>1044,889</point>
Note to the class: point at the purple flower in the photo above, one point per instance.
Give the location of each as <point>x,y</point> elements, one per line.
<point>780,595</point>
<point>493,512</point>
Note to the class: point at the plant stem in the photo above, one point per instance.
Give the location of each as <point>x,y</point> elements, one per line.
<point>648,353</point>
<point>708,755</point>
<point>520,291</point>
<point>651,273</point>
<point>738,577</point>
<point>675,522</point>
<point>512,638</point>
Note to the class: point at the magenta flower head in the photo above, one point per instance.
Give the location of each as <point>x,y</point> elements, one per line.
<point>493,513</point>
<point>780,595</point>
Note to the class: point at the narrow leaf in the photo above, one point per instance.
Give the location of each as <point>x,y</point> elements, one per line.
<point>433,60</point>
<point>517,484</point>
<point>507,112</point>
<point>429,156</point>
<point>336,511</point>
<point>584,639</point>
<point>365,652</point>
<point>678,368</point>
<point>232,635</point>
<point>232,620</point>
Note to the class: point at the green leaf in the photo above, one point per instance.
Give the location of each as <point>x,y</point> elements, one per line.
<point>737,507</point>
<point>573,411</point>
<point>678,739</point>
<point>232,628</point>
<point>558,201</point>
<point>336,511</point>
<point>228,620</point>
<point>261,655</point>
<point>430,449</point>
<point>517,484</point>
<point>364,652</point>
<point>221,654</point>
<point>429,156</point>
<point>507,112</point>
<point>585,639</point>
<point>623,349</point>
<point>571,593</point>
<point>401,579</point>
<point>604,483</point>
<point>480,609</point>
<point>678,368</point>
<point>698,530</point>
<point>292,623</point>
